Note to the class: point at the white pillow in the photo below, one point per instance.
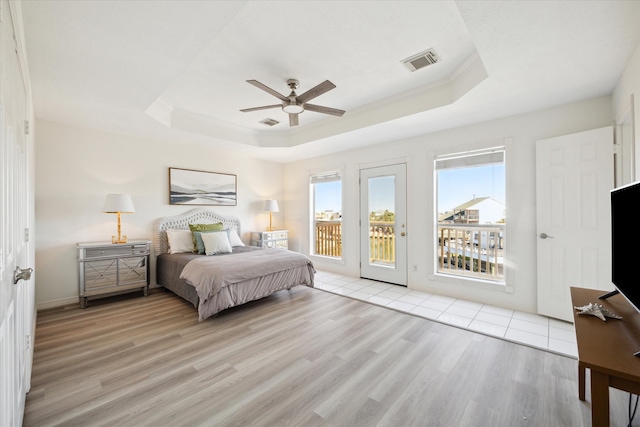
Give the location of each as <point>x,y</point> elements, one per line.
<point>216,243</point>
<point>234,239</point>
<point>180,241</point>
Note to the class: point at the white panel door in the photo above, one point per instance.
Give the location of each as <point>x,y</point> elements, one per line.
<point>16,298</point>
<point>574,175</point>
<point>383,224</point>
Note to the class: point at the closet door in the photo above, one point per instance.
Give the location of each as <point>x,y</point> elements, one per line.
<point>574,175</point>
<point>16,296</point>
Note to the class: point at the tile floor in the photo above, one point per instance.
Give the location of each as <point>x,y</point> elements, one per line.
<point>524,328</point>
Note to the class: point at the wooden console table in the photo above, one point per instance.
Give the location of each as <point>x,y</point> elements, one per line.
<point>606,349</point>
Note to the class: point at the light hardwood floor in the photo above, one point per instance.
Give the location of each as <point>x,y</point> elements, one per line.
<point>303,357</point>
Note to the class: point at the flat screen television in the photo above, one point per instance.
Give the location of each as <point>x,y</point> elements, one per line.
<point>624,245</point>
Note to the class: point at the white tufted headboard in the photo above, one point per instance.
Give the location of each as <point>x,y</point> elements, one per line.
<point>182,221</point>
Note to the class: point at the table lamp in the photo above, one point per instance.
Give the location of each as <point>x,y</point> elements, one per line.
<point>271,206</point>
<point>118,203</point>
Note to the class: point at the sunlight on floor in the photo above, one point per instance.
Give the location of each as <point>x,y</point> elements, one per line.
<point>524,328</point>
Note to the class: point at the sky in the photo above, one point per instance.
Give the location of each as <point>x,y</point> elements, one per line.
<point>455,186</point>
<point>329,196</point>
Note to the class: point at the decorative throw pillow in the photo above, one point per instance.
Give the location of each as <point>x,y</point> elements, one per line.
<point>203,227</point>
<point>234,238</point>
<point>180,241</point>
<point>200,248</point>
<point>216,243</point>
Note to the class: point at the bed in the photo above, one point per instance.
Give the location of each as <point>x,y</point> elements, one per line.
<point>222,279</point>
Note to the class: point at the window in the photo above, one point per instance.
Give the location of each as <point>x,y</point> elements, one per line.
<point>470,201</point>
<point>326,217</point>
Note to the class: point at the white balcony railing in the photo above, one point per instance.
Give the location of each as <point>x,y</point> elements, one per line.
<point>471,250</point>
<point>468,250</point>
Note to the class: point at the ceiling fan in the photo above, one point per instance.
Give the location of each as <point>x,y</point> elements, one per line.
<point>296,104</point>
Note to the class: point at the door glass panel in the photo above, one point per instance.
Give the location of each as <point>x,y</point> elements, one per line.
<point>382,227</point>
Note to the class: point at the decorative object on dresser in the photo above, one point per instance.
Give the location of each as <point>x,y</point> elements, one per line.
<point>118,204</point>
<point>271,206</point>
<point>193,187</point>
<point>215,279</point>
<point>106,269</point>
<point>270,239</point>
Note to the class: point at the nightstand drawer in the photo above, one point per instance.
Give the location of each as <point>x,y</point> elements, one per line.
<point>275,235</point>
<point>115,251</point>
<point>279,244</point>
<point>100,273</point>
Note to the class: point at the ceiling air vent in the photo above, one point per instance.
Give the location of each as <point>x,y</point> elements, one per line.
<point>269,122</point>
<point>421,60</point>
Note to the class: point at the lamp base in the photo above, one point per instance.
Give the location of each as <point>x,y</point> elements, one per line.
<point>270,227</point>
<point>115,239</point>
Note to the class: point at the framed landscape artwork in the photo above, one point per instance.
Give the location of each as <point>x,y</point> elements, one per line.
<point>192,187</point>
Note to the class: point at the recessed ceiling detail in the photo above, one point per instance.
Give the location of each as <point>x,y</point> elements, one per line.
<point>421,60</point>
<point>177,71</point>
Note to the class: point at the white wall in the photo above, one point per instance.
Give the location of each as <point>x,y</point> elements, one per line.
<point>77,167</point>
<point>523,130</point>
<point>626,95</point>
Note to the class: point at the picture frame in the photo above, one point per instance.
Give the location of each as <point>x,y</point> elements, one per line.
<point>202,188</point>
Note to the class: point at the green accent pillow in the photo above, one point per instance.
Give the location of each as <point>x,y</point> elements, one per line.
<point>200,246</point>
<point>203,227</point>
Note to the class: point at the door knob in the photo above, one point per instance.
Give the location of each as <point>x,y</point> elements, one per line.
<point>21,274</point>
<point>545,236</point>
<point>403,234</point>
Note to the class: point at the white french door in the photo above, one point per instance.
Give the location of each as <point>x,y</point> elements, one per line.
<point>383,224</point>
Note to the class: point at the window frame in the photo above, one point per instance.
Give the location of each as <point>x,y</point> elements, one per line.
<point>505,145</point>
<point>319,177</point>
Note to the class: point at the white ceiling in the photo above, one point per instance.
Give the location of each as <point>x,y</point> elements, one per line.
<point>178,69</point>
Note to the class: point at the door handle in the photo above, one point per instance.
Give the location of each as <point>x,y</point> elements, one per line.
<point>545,236</point>
<point>21,274</point>
<point>403,234</point>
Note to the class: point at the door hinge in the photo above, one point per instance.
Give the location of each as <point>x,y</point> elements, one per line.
<point>26,127</point>
<point>27,342</point>
<point>26,234</point>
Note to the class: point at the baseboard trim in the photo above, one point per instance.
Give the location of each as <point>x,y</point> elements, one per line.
<point>71,300</point>
<point>57,303</point>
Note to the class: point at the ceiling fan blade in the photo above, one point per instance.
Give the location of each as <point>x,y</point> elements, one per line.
<point>246,110</point>
<point>323,87</point>
<point>267,89</point>
<point>293,119</point>
<point>325,110</point>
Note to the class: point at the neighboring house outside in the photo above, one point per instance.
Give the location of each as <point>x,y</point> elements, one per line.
<point>329,215</point>
<point>480,210</point>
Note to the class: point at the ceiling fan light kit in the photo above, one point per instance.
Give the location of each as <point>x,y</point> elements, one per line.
<point>293,108</point>
<point>296,104</point>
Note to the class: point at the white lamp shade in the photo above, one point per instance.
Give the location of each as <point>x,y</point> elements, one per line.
<point>271,206</point>
<point>115,203</point>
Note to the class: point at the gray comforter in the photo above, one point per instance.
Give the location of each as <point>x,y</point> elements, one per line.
<point>208,275</point>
